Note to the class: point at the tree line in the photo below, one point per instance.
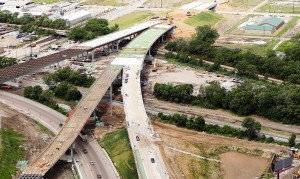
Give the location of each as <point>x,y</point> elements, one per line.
<point>275,102</point>
<point>247,63</point>
<point>6,61</point>
<point>251,128</point>
<point>28,19</point>
<point>69,76</point>
<point>92,29</point>
<point>63,90</point>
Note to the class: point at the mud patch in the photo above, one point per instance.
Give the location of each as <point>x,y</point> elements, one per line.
<point>238,165</point>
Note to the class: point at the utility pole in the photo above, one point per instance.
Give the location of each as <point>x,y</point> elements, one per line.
<point>0,131</point>
<point>160,3</point>
<point>30,45</point>
<point>293,6</point>
<point>110,90</point>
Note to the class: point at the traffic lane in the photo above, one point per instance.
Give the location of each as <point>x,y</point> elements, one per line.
<point>33,108</point>
<point>100,162</point>
<point>22,104</point>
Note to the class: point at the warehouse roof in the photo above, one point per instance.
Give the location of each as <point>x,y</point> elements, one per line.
<point>75,15</point>
<point>259,27</point>
<point>273,21</point>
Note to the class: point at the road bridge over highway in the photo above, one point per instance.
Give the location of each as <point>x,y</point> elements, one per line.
<point>17,70</point>
<point>88,103</point>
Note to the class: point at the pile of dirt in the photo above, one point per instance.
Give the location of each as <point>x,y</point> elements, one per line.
<point>182,30</point>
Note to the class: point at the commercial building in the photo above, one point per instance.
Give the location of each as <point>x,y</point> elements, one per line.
<point>76,17</point>
<point>266,27</point>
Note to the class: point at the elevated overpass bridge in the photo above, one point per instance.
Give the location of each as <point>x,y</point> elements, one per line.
<point>17,70</point>
<point>134,54</point>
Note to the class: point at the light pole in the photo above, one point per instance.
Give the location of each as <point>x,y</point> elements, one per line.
<point>0,131</point>
<point>160,3</point>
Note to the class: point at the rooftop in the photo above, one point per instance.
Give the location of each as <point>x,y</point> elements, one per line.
<point>274,21</point>
<point>259,27</point>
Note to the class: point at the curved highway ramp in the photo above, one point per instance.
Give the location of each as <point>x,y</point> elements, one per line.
<point>132,57</point>
<point>71,129</point>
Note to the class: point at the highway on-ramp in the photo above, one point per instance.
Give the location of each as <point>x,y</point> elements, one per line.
<point>51,119</point>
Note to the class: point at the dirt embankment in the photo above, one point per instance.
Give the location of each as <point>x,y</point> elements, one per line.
<point>36,140</point>
<point>217,147</point>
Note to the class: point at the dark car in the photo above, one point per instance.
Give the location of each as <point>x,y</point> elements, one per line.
<point>152,160</point>
<point>99,176</point>
<point>85,151</point>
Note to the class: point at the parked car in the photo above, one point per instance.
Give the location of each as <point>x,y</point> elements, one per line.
<point>99,176</point>
<point>92,162</point>
<point>137,138</point>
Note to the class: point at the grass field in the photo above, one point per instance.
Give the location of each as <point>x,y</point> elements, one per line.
<point>257,49</point>
<point>104,3</point>
<point>244,3</point>
<point>167,3</point>
<point>46,1</point>
<point>203,18</point>
<point>119,150</point>
<point>43,128</point>
<point>291,24</point>
<point>10,152</point>
<point>286,45</point>
<point>279,9</point>
<point>131,19</point>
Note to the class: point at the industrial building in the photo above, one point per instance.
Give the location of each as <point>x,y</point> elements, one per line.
<point>266,27</point>
<point>76,17</point>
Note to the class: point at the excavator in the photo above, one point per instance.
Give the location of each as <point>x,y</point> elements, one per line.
<point>170,18</point>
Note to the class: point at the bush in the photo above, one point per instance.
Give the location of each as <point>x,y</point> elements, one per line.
<point>279,103</point>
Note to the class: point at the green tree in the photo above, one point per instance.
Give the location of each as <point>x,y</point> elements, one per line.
<point>252,127</point>
<point>292,140</point>
<point>213,94</point>
<point>197,123</point>
<point>246,69</point>
<point>203,39</point>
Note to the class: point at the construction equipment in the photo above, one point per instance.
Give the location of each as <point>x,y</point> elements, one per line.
<point>296,175</point>
<point>188,13</point>
<point>170,18</point>
<point>297,155</point>
<point>154,69</point>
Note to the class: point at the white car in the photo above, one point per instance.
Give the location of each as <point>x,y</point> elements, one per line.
<point>92,162</point>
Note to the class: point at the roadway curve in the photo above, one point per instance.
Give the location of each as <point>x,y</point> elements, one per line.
<point>51,119</point>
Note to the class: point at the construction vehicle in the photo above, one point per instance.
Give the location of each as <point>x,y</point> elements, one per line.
<point>188,13</point>
<point>296,175</point>
<point>155,65</point>
<point>297,155</point>
<point>170,18</point>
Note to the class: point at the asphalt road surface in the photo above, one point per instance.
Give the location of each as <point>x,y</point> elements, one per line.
<point>51,119</point>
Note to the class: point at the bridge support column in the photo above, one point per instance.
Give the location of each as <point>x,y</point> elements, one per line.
<point>72,150</point>
<point>93,56</point>
<point>118,42</point>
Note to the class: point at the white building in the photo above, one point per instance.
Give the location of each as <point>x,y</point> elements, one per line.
<point>76,17</point>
